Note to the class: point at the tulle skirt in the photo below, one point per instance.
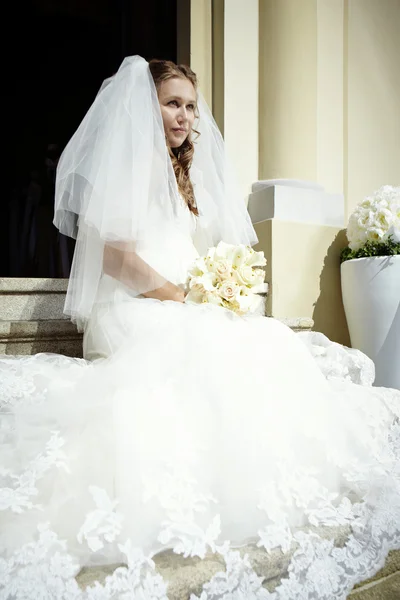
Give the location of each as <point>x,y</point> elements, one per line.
<point>200,427</point>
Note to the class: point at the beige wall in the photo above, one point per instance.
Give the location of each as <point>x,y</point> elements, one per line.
<point>373,97</point>
<point>303,273</point>
<point>201,43</point>
<point>325,75</point>
<point>329,112</point>
<point>330,93</point>
<point>288,84</point>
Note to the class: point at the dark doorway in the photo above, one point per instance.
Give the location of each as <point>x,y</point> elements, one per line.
<point>61,52</point>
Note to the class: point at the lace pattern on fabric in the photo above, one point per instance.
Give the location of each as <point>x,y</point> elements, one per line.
<point>43,567</point>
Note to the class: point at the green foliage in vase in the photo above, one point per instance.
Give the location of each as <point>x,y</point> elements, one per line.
<point>387,248</point>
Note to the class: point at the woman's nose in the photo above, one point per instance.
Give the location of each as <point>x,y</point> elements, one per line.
<point>182,114</point>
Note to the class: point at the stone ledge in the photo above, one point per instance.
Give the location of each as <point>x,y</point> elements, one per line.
<point>27,285</point>
<point>391,568</point>
<point>387,588</point>
<point>42,329</point>
<point>32,299</point>
<point>295,201</point>
<point>186,576</point>
<point>298,323</point>
<point>32,337</point>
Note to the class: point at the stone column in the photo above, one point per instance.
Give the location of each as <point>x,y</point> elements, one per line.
<point>240,120</point>
<point>224,54</point>
<point>194,40</point>
<point>288,89</point>
<point>302,91</point>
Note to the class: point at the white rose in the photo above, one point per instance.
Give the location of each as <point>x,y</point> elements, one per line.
<point>228,290</point>
<point>220,267</point>
<point>357,231</point>
<point>245,275</point>
<point>253,279</point>
<point>384,218</point>
<point>223,268</point>
<point>375,234</point>
<point>374,217</point>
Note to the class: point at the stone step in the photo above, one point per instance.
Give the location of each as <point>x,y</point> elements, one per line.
<point>186,576</point>
<point>32,337</point>
<point>32,299</point>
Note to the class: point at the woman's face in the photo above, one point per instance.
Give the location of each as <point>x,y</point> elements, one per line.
<point>177,98</point>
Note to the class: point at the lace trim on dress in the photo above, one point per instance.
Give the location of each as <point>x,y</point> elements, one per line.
<point>317,568</point>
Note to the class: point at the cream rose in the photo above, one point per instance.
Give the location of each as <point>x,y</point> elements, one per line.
<point>223,269</point>
<point>245,275</point>
<point>229,290</point>
<point>227,276</point>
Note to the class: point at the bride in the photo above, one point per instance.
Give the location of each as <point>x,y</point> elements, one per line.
<point>187,427</point>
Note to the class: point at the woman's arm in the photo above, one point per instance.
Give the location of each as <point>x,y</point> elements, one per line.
<point>122,263</point>
<point>168,291</point>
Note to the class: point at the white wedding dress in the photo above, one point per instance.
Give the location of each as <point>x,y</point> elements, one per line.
<point>201,431</point>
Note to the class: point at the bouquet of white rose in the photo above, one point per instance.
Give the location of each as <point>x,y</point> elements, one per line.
<point>229,276</point>
<point>374,226</point>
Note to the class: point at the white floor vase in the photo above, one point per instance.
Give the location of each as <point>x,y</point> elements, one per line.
<point>371,298</point>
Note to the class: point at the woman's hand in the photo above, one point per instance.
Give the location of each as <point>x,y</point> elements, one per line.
<point>169,291</point>
<point>180,295</point>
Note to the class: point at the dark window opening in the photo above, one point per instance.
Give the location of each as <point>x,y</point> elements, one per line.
<point>60,53</point>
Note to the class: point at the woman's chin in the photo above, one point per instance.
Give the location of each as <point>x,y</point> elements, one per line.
<point>176,141</point>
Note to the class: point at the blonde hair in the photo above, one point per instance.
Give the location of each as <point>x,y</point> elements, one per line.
<point>181,157</point>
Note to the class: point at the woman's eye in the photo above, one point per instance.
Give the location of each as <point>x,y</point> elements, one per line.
<point>173,103</point>
<point>191,106</point>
